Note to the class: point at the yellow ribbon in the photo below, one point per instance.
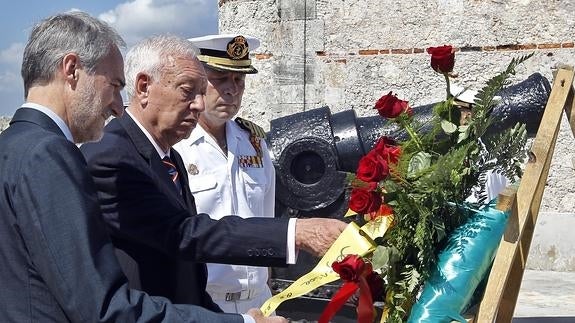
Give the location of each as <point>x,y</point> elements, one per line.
<point>353,240</point>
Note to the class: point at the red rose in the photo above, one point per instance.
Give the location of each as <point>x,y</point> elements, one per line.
<point>389,106</point>
<point>383,142</point>
<point>351,268</point>
<point>372,168</point>
<point>387,149</point>
<point>409,111</point>
<point>376,286</point>
<point>363,201</point>
<point>442,58</point>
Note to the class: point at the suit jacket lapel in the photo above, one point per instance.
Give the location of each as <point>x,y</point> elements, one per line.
<point>149,153</point>
<point>186,193</point>
<point>38,118</point>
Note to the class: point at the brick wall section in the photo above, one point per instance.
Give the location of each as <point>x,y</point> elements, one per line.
<point>407,51</point>
<point>263,56</point>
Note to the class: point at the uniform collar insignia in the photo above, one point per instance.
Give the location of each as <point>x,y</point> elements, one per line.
<point>192,169</point>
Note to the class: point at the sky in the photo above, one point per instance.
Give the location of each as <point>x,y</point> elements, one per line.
<point>134,20</point>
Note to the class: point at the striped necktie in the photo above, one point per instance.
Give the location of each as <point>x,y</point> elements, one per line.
<point>173,172</point>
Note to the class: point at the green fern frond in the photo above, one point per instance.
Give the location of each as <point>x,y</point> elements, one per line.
<point>484,103</point>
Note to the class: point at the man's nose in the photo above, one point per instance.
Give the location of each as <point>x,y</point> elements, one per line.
<point>233,87</point>
<point>118,105</point>
<point>198,103</point>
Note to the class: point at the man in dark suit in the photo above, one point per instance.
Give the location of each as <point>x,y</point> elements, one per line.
<point>57,261</point>
<point>149,209</point>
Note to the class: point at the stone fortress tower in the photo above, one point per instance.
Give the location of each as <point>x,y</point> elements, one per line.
<point>347,53</point>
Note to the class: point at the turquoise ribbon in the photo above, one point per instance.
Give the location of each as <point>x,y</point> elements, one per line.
<point>461,267</point>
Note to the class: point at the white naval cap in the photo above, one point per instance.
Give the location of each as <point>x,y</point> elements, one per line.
<point>465,95</point>
<point>227,52</point>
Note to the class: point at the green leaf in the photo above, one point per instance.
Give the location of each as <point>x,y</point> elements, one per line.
<point>448,126</point>
<point>455,177</point>
<point>418,162</point>
<point>462,136</point>
<point>383,257</point>
<point>399,296</point>
<point>463,133</point>
<point>413,280</point>
<point>380,258</point>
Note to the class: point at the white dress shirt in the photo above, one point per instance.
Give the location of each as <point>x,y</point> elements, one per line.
<point>52,115</point>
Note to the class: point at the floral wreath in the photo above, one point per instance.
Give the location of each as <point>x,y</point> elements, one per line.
<point>422,184</point>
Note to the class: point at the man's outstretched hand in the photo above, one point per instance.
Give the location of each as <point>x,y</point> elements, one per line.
<point>260,318</point>
<point>316,235</point>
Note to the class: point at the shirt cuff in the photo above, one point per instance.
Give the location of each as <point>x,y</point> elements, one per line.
<point>248,319</point>
<point>291,250</point>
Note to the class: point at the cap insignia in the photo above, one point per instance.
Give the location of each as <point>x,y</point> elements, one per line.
<point>238,47</point>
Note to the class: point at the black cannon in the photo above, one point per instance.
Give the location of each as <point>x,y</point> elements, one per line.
<point>313,150</point>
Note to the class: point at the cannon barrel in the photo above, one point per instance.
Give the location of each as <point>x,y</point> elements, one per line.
<point>313,150</point>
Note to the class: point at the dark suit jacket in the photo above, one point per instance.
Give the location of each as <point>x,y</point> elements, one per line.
<point>57,262</point>
<point>159,228</point>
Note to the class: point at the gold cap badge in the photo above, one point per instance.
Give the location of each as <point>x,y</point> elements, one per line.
<point>238,47</point>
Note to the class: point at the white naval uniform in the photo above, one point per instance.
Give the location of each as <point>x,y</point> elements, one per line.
<point>222,187</point>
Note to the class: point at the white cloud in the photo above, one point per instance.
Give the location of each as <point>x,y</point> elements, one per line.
<point>10,62</point>
<point>12,54</point>
<point>12,92</point>
<point>138,19</point>
<point>10,81</point>
<point>11,88</point>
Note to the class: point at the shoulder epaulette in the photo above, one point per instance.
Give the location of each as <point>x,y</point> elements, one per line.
<point>251,127</point>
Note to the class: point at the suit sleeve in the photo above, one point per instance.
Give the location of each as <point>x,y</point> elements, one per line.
<point>136,209</point>
<point>59,220</point>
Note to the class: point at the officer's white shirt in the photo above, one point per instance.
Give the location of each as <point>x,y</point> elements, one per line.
<point>222,187</point>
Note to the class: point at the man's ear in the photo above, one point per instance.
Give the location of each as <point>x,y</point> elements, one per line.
<point>70,68</point>
<point>143,82</point>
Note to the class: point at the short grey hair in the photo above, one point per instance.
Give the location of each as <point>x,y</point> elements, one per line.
<point>150,56</point>
<point>56,36</point>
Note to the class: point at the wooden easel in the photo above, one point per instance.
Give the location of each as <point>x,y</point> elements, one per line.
<point>500,297</point>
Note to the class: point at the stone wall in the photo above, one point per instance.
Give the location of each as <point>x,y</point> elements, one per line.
<point>346,54</point>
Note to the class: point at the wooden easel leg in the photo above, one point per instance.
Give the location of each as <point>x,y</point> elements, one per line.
<point>509,298</point>
<point>511,292</point>
<point>502,288</point>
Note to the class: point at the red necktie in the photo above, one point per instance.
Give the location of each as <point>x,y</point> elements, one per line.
<point>173,172</point>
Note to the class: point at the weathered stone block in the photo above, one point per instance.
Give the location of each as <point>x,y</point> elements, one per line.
<point>297,9</point>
